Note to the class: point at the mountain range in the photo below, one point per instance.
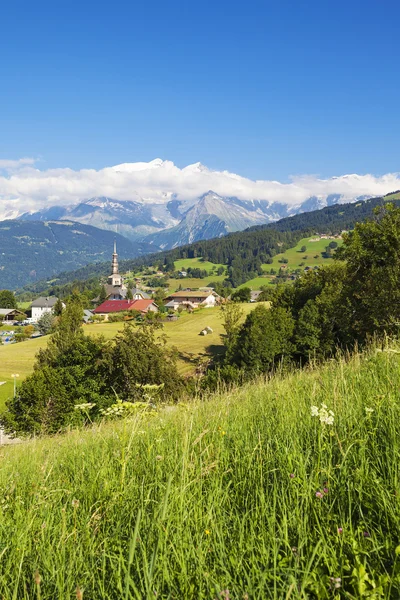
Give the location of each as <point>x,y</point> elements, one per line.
<point>175,223</point>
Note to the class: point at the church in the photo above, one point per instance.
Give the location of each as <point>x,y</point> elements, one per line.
<point>115,287</point>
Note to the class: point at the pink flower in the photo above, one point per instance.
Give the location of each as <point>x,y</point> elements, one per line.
<point>319,494</point>
<point>340,530</point>
<point>292,475</point>
<point>325,490</point>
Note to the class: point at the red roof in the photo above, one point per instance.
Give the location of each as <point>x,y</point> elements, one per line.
<point>142,304</point>
<point>112,306</point>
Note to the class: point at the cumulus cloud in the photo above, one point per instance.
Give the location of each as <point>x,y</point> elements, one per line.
<point>24,187</point>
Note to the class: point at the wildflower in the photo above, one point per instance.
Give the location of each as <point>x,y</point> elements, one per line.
<point>325,490</point>
<point>37,578</point>
<point>294,550</point>
<point>336,582</point>
<point>207,532</point>
<point>340,530</point>
<point>366,534</point>
<point>75,503</point>
<point>319,494</point>
<point>326,416</point>
<point>159,457</point>
<point>369,410</point>
<point>292,475</point>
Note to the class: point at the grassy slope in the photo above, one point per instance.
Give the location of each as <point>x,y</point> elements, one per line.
<point>184,334</point>
<point>295,257</point>
<point>393,196</point>
<point>199,500</point>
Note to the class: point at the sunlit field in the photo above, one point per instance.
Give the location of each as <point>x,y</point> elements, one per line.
<point>182,334</point>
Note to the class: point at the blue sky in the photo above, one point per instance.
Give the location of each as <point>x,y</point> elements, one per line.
<point>265,89</point>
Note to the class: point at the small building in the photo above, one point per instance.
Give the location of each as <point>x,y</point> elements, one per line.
<point>192,300</point>
<point>87,316</point>
<point>254,295</point>
<point>42,305</point>
<point>9,315</point>
<point>182,273</point>
<point>115,306</point>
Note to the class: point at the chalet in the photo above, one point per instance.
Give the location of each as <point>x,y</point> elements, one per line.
<point>191,300</point>
<point>9,315</point>
<point>42,305</point>
<point>115,306</point>
<point>182,273</point>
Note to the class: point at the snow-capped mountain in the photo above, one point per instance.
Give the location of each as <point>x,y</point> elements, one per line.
<point>168,205</point>
<point>176,222</point>
<point>133,219</point>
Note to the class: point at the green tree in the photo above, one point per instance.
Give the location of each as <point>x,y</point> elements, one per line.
<point>46,322</point>
<point>66,374</point>
<point>241,295</point>
<point>303,249</point>
<point>264,339</point>
<point>102,295</point>
<point>129,295</point>
<point>371,287</point>
<point>58,308</point>
<point>7,299</point>
<point>232,314</point>
<point>139,355</point>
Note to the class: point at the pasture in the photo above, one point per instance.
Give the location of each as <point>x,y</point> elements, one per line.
<point>182,334</point>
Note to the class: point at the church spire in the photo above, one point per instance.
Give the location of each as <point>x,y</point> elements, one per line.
<point>114,263</point>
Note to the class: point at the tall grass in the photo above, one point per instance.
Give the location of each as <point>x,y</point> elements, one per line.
<point>216,499</point>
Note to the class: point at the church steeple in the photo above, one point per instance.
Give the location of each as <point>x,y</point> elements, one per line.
<point>114,263</point>
<point>115,278</point>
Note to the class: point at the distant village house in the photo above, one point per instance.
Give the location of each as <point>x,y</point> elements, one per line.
<point>116,306</point>
<point>42,305</point>
<point>192,300</point>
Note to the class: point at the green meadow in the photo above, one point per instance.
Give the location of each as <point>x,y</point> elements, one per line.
<point>312,257</point>
<point>183,334</point>
<point>243,496</point>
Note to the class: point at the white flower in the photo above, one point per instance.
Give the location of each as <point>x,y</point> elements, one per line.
<point>326,416</point>
<point>369,410</point>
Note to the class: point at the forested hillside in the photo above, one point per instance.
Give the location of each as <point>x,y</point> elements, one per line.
<point>243,252</point>
<point>30,251</point>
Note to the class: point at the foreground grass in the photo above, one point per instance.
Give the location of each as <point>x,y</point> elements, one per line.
<point>216,496</point>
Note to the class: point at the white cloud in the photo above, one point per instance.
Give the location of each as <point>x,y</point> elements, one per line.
<point>24,187</point>
<point>10,165</point>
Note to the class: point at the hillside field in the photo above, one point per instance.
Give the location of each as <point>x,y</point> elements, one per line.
<point>243,496</point>
<point>182,334</point>
<point>295,257</point>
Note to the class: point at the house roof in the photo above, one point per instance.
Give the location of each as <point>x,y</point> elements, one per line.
<point>142,304</point>
<point>8,311</point>
<point>184,294</point>
<point>42,302</point>
<point>112,306</point>
<point>141,292</point>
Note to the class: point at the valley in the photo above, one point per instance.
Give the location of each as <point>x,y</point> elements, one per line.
<point>182,334</point>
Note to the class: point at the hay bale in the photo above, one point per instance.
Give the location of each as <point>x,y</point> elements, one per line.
<point>203,332</point>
